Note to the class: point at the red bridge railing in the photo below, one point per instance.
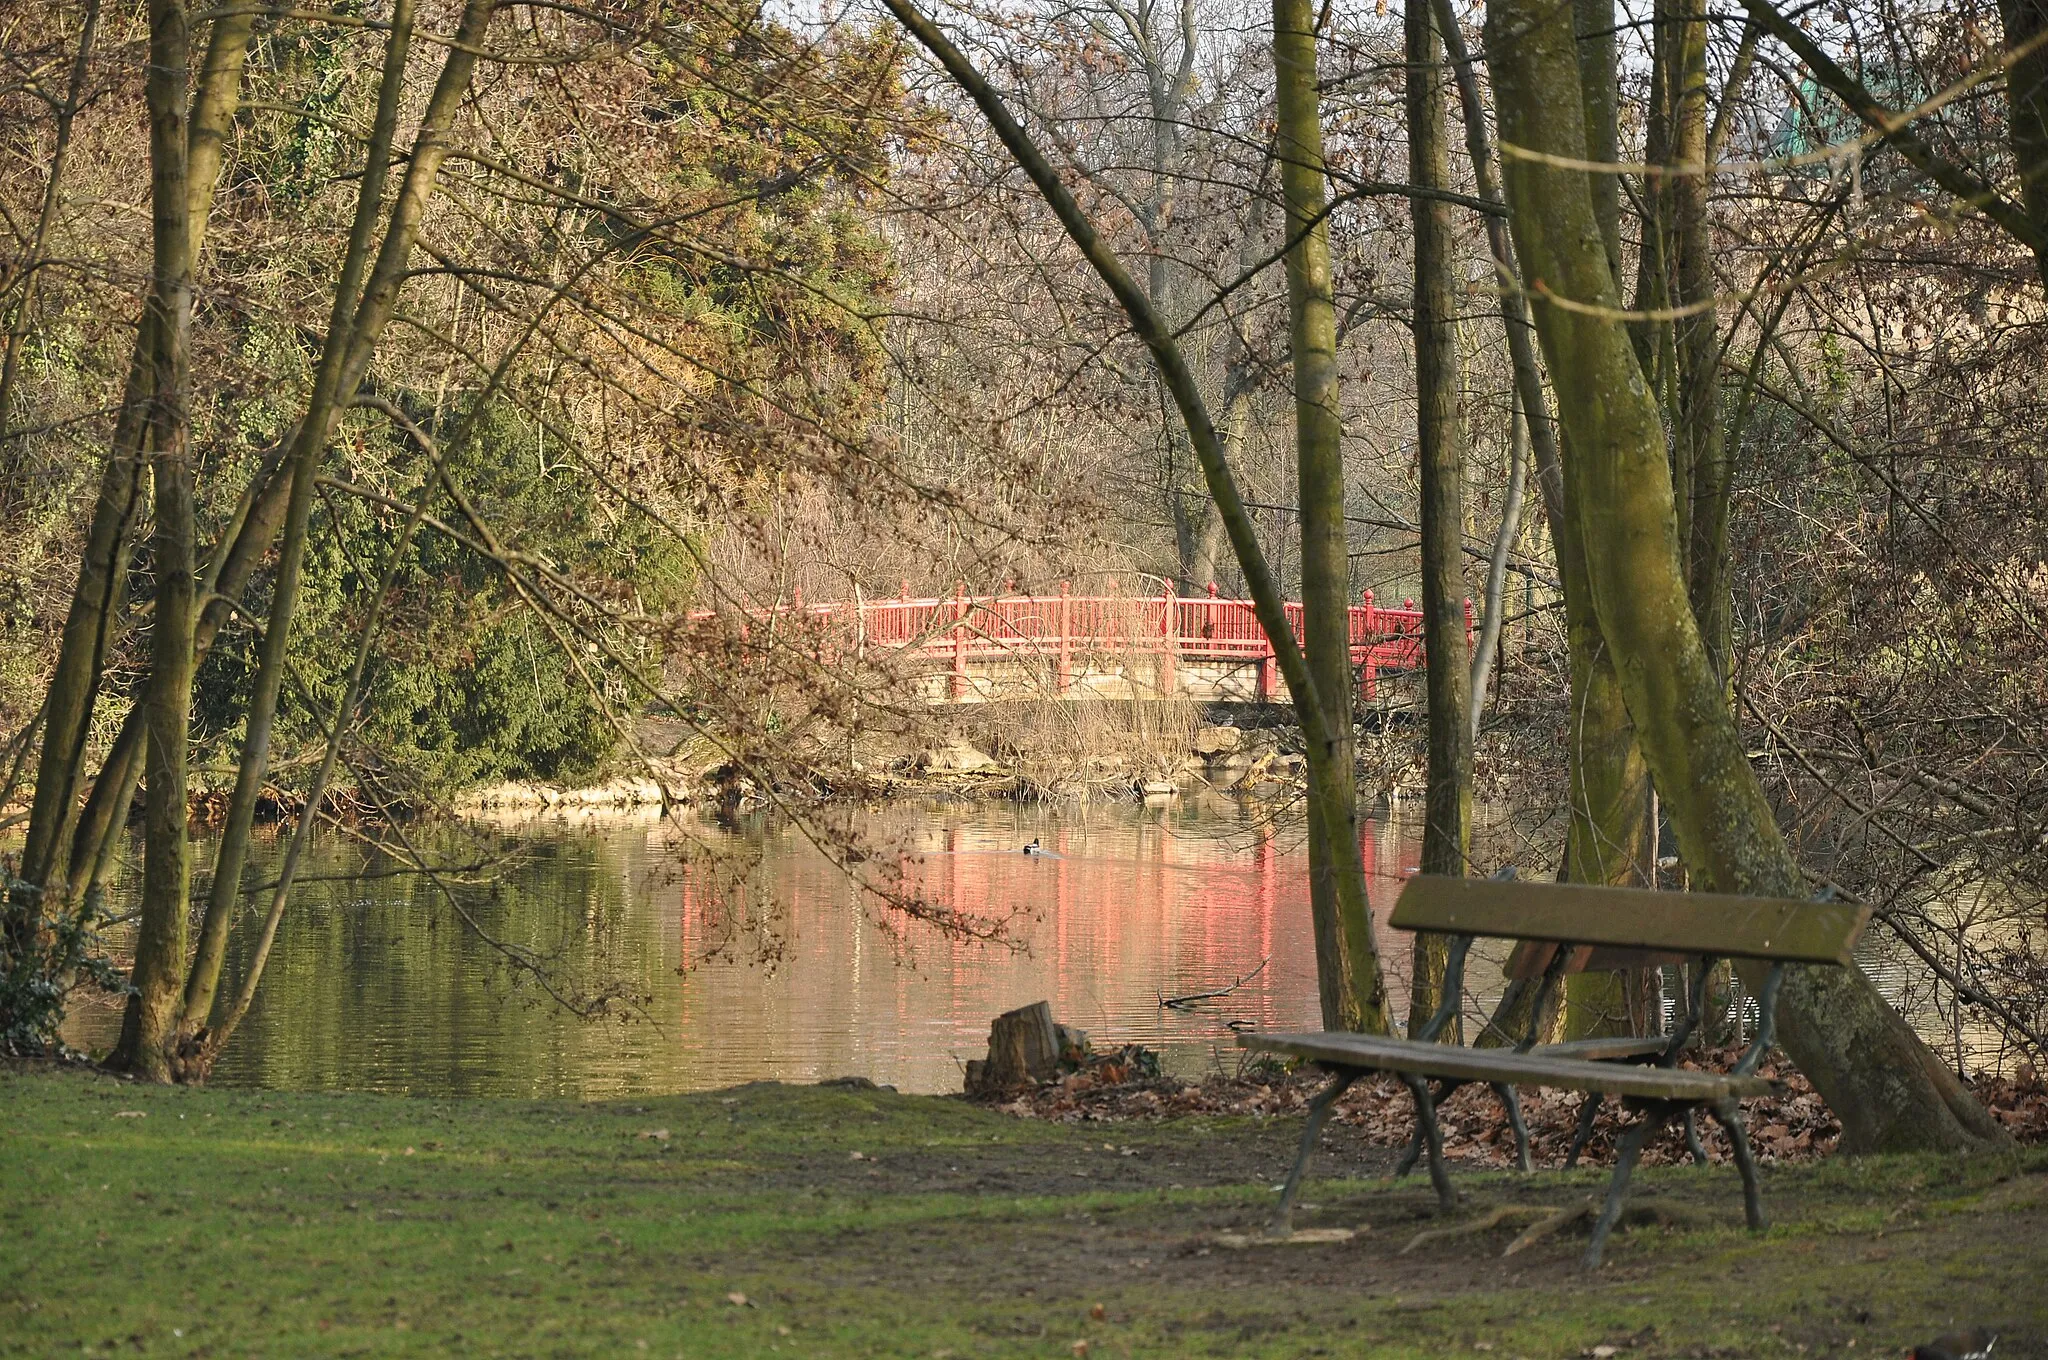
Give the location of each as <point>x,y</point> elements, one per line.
<point>963,629</point>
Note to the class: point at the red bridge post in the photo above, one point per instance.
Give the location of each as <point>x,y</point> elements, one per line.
<point>1369,673</point>
<point>1169,636</point>
<point>1064,679</point>
<point>959,686</point>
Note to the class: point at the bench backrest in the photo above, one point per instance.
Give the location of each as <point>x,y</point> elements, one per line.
<point>1532,958</point>
<point>1633,919</point>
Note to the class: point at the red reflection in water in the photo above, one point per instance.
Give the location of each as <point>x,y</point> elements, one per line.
<point>1122,912</point>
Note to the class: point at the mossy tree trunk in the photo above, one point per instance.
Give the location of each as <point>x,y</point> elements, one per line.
<point>345,330</point>
<point>1612,835</point>
<point>356,324</point>
<point>96,598</point>
<point>160,938</point>
<point>1440,452</point>
<point>1346,967</point>
<point>1889,1090</point>
<point>164,1035</point>
<point>1699,453</point>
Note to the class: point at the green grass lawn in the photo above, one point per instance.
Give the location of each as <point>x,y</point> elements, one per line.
<point>792,1221</point>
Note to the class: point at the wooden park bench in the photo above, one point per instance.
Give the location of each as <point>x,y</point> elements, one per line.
<point>1563,927</point>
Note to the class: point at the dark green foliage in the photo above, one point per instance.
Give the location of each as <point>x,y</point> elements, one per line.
<point>467,683</point>
<point>43,957</point>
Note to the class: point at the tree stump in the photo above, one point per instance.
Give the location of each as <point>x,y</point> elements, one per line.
<point>1023,1049</point>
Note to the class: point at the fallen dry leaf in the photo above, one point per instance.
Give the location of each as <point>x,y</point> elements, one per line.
<point>1794,1126</point>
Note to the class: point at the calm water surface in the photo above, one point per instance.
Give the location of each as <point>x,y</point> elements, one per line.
<point>795,975</point>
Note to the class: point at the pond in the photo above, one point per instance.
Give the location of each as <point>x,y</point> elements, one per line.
<point>796,975</point>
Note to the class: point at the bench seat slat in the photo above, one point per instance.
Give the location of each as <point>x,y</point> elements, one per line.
<point>1633,918</point>
<point>1504,1065</point>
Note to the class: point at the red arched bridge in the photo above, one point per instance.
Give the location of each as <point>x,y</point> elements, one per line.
<point>974,648</point>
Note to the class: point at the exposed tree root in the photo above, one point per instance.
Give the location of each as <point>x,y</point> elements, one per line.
<point>1544,1227</point>
<point>1506,1213</point>
<point>1545,1221</point>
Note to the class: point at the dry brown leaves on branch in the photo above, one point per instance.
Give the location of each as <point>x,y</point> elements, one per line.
<point>1794,1127</point>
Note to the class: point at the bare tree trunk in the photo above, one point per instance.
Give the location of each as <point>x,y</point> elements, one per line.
<point>1699,450</point>
<point>93,849</point>
<point>1612,835</point>
<point>1206,564</point>
<point>1336,869</point>
<point>1357,970</point>
<point>106,808</point>
<point>1494,606</point>
<point>1240,377</point>
<point>205,1047</point>
<point>1890,1092</point>
<point>88,631</point>
<point>95,601</point>
<point>1166,95</point>
<point>160,940</point>
<point>315,428</point>
<point>1517,329</point>
<point>1440,451</point>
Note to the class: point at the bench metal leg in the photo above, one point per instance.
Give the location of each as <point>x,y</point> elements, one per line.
<point>1425,1120</point>
<point>1412,1155</point>
<point>1692,1138</point>
<point>1589,1110</point>
<point>1513,1106</point>
<point>1630,1149</point>
<point>1318,1113</point>
<point>1730,1117</point>
<point>1417,1141</point>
